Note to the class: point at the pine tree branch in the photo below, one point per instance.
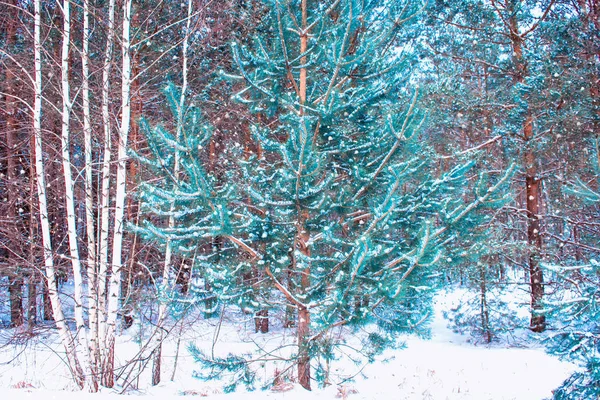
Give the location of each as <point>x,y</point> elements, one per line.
<point>292,299</point>
<point>460,153</point>
<point>540,20</point>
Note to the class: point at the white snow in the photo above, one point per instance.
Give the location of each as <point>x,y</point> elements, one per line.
<point>445,367</point>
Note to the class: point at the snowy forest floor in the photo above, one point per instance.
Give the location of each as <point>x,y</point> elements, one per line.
<point>446,366</point>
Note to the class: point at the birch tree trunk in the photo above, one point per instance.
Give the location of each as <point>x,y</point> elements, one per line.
<point>104,212</point>
<point>117,248</point>
<point>89,202</point>
<point>57,310</point>
<point>70,196</point>
<point>156,366</point>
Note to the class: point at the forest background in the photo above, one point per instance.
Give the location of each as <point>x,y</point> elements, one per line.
<point>316,163</point>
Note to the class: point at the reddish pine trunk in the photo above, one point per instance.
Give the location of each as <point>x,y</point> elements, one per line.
<point>538,322</point>
<point>534,237</point>
<point>302,236</point>
<point>303,351</point>
<point>532,191</point>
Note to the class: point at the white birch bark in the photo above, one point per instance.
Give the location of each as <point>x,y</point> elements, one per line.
<point>104,212</point>
<point>116,263</point>
<point>70,195</point>
<point>162,311</point>
<point>89,199</point>
<point>57,311</point>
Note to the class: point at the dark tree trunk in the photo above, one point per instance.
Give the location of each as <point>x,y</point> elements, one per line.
<point>32,300</point>
<point>485,315</point>
<point>15,289</point>
<point>261,321</point>
<point>538,321</point>
<point>48,315</point>
<point>156,366</point>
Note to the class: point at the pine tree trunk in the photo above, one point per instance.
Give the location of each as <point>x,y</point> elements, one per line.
<point>290,310</point>
<point>156,365</point>
<point>301,235</point>
<point>46,303</point>
<point>303,350</point>
<point>532,188</point>
<point>534,238</point>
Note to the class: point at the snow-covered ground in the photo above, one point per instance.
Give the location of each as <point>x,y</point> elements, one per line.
<point>447,366</point>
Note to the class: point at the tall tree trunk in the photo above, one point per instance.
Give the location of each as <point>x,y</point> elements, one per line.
<point>70,199</point>
<point>105,370</point>
<point>532,186</point>
<point>119,224</point>
<point>33,235</point>
<point>132,204</point>
<point>47,312</point>
<point>65,334</point>
<point>290,310</point>
<point>301,238</point>
<point>89,197</point>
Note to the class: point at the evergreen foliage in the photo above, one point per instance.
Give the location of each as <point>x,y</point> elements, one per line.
<point>234,368</point>
<point>341,212</point>
<point>188,193</point>
<point>577,336</point>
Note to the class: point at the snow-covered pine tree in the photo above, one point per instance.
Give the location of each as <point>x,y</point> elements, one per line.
<point>342,214</point>
<point>344,199</point>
